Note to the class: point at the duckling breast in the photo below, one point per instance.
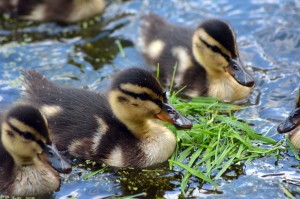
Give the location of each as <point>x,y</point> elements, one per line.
<point>225,88</point>
<point>37,181</point>
<point>294,136</point>
<point>155,147</point>
<point>158,145</point>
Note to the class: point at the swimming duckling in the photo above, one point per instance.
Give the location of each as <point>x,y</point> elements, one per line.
<point>207,57</point>
<point>66,11</point>
<point>117,128</point>
<point>29,161</point>
<point>291,125</point>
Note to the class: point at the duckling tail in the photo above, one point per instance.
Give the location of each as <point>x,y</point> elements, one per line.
<point>35,83</point>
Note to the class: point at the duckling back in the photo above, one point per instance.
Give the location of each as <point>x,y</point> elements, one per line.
<point>71,110</point>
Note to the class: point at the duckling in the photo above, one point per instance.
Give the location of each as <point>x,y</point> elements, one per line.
<point>65,11</point>
<point>117,127</point>
<point>207,57</point>
<point>291,125</point>
<point>29,161</point>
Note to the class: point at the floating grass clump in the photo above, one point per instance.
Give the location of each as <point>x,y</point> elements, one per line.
<point>216,141</point>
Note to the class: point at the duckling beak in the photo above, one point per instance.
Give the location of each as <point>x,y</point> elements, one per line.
<point>291,122</point>
<point>237,70</point>
<point>172,116</point>
<point>57,161</point>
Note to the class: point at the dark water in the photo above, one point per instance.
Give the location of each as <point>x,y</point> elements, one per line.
<point>86,54</point>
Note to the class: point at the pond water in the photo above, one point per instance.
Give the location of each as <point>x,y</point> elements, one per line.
<point>86,55</point>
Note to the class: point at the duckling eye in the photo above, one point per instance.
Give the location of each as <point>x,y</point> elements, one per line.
<point>296,115</point>
<point>10,133</point>
<point>214,48</point>
<point>158,102</point>
<point>235,67</point>
<point>143,96</point>
<point>27,136</point>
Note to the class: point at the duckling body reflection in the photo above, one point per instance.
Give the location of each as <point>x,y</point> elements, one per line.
<point>207,57</point>
<point>29,162</point>
<point>117,128</point>
<point>66,11</point>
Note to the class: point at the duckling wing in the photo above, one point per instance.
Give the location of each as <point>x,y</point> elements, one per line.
<point>72,113</point>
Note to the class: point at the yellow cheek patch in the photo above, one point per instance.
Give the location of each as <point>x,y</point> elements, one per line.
<point>213,62</point>
<point>134,107</point>
<point>149,106</point>
<point>22,150</point>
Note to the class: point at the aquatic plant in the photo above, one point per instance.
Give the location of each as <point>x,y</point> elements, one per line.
<point>217,140</point>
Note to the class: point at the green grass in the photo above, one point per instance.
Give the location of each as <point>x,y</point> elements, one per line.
<point>134,196</point>
<point>120,47</point>
<point>216,141</point>
<point>87,176</point>
<point>286,192</point>
<point>173,77</point>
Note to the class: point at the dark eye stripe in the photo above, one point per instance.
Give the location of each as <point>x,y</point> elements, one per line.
<point>143,96</point>
<point>216,49</point>
<point>26,135</point>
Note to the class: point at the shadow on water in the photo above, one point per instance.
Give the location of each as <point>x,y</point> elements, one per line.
<point>86,55</point>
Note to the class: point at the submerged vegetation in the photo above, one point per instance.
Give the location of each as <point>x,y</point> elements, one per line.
<point>217,140</point>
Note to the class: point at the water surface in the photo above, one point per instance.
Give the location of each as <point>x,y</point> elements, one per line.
<point>86,55</point>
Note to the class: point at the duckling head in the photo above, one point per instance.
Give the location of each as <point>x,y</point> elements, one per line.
<point>136,96</point>
<point>26,137</point>
<point>215,48</point>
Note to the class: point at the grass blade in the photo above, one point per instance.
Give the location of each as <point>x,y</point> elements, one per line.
<point>196,173</point>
